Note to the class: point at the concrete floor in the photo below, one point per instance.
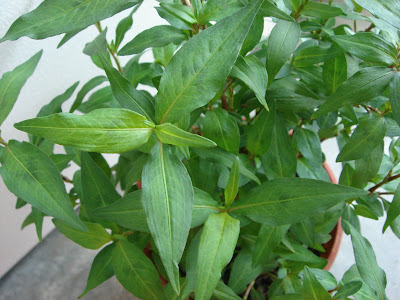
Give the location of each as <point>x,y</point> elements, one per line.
<point>57,269</point>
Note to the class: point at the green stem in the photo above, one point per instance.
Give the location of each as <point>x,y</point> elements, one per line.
<point>3,142</point>
<point>112,52</point>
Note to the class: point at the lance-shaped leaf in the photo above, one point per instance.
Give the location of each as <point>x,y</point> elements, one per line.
<point>223,129</point>
<point>308,143</point>
<point>203,66</point>
<point>316,54</point>
<point>90,85</point>
<point>366,137</point>
<point>269,9</point>
<point>129,212</point>
<point>170,134</point>
<point>369,47</point>
<point>110,130</point>
<point>243,272</point>
<point>101,269</point>
<point>167,200</point>
<point>366,263</point>
<point>215,10</point>
<point>220,156</point>
<point>312,288</point>
<point>335,72</point>
<point>94,238</point>
<point>31,175</point>
<point>349,289</point>
<point>367,167</point>
<point>387,10</point>
<point>58,16</point>
<point>364,85</point>
<point>123,26</point>
<point>126,94</point>
<point>12,82</point>
<point>268,238</point>
<point>321,10</point>
<point>394,209</point>
<point>97,189</point>
<point>395,97</point>
<point>290,200</point>
<point>280,160</point>
<point>157,36</point>
<point>136,272</point>
<point>252,72</point>
<point>217,244</point>
<point>282,42</point>
<point>257,143</point>
<point>232,187</point>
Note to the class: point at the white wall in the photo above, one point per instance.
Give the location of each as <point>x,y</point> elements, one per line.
<point>57,70</point>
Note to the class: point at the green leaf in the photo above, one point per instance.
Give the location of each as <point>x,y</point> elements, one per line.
<point>12,82</point>
<point>320,10</point>
<point>68,36</point>
<point>348,289</point>
<point>37,217</point>
<point>123,27</point>
<point>167,200</point>
<point>220,156</point>
<point>312,289</point>
<point>97,189</point>
<point>367,167</point>
<point>256,141</point>
<point>178,15</point>
<point>366,263</point>
<point>101,269</point>
<point>395,97</point>
<point>136,272</point>
<point>252,72</point>
<point>90,85</point>
<point>163,55</point>
<point>293,5</point>
<point>170,134</point>
<point>308,143</point>
<point>157,36</point>
<point>269,9</point>
<point>110,130</point>
<point>281,158</point>
<point>316,54</point>
<point>290,200</point>
<point>95,238</point>
<point>217,244</point>
<point>126,94</point>
<point>325,278</point>
<point>39,182</point>
<point>59,16</point>
<point>206,65</point>
<point>335,72</point>
<point>127,211</point>
<point>387,10</point>
<point>268,238</point>
<point>215,10</point>
<point>254,36</point>
<point>224,292</point>
<point>232,186</point>
<point>369,47</point>
<point>223,129</point>
<point>203,206</point>
<point>364,85</point>
<point>282,42</point>
<point>243,272</point>
<point>62,160</point>
<point>365,138</point>
<point>102,98</point>
<point>98,45</point>
<point>394,209</point>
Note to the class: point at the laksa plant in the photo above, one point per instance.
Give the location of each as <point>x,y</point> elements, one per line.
<point>220,190</point>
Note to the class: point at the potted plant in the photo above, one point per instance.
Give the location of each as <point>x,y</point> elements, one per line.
<point>220,190</point>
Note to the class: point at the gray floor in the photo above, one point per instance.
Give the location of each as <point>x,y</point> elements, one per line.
<point>57,269</point>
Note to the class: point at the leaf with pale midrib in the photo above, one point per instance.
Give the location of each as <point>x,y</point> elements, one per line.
<point>204,66</point>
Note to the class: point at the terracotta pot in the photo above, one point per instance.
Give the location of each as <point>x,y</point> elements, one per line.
<point>332,247</point>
